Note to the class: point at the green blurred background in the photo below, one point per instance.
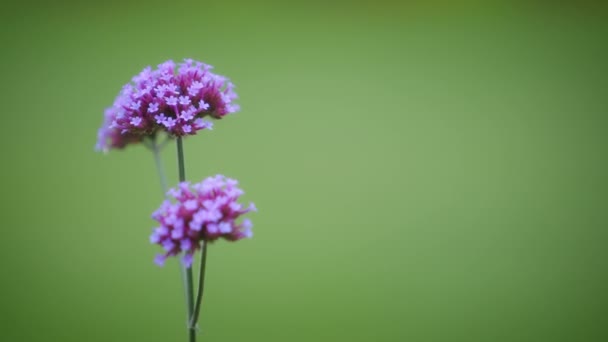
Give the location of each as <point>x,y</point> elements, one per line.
<point>423,172</point>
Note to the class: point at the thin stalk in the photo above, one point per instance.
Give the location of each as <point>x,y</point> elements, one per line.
<point>156,147</point>
<point>188,271</point>
<point>163,184</point>
<point>201,286</point>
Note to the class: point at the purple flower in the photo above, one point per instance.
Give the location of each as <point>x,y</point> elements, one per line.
<point>153,107</point>
<point>169,122</point>
<point>136,121</point>
<point>205,211</point>
<point>184,100</point>
<point>157,99</point>
<point>160,118</point>
<point>202,105</point>
<point>171,101</point>
<point>110,136</point>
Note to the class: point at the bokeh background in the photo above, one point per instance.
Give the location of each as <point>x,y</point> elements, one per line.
<point>424,172</point>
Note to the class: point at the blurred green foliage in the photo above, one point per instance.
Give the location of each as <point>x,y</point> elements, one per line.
<point>423,173</point>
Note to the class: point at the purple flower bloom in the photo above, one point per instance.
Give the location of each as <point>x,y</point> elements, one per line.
<point>184,100</point>
<point>153,107</point>
<point>202,124</point>
<point>157,99</point>
<point>160,118</point>
<point>110,135</point>
<point>171,101</point>
<point>135,121</point>
<point>203,105</point>
<point>169,122</point>
<point>205,211</point>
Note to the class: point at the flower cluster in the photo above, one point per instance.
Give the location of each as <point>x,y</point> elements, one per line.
<point>172,98</point>
<point>205,211</point>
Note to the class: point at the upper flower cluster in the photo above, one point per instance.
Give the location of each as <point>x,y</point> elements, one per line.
<point>205,211</point>
<point>172,98</point>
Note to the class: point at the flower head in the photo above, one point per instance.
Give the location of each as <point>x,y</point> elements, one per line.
<point>172,98</point>
<point>205,211</point>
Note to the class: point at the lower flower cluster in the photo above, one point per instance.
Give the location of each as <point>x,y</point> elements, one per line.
<point>205,211</point>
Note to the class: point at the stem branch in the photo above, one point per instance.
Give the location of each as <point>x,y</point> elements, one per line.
<point>201,286</point>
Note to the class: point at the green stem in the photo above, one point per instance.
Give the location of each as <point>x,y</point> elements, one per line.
<point>163,183</point>
<point>201,286</point>
<point>155,147</point>
<point>188,271</point>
